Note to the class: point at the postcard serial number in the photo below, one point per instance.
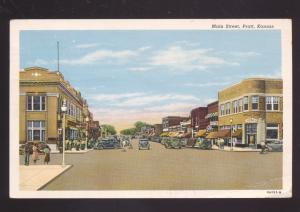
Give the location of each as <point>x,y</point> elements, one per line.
<point>242,26</point>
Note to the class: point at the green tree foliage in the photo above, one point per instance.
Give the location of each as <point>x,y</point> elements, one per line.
<point>109,129</point>
<point>139,124</point>
<point>130,131</point>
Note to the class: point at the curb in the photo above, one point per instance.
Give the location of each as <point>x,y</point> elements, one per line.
<point>43,186</point>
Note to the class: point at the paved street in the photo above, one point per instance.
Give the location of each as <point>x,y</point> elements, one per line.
<point>161,168</point>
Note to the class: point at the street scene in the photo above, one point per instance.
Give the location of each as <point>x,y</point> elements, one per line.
<point>161,168</point>
<point>150,110</point>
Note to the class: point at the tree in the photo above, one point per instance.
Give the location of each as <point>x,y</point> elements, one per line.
<point>139,124</point>
<point>109,129</point>
<point>130,131</point>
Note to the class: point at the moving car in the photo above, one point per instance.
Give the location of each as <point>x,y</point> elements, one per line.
<point>205,144</point>
<point>144,144</point>
<point>109,143</point>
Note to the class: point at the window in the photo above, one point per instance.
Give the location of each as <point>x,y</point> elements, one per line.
<point>228,108</point>
<point>272,131</point>
<point>246,103</point>
<point>36,103</point>
<point>254,101</point>
<point>240,105</point>
<point>36,130</point>
<point>272,102</point>
<point>235,106</point>
<point>222,110</point>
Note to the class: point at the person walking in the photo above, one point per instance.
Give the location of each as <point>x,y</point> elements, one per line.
<point>47,155</point>
<point>27,150</point>
<point>35,153</point>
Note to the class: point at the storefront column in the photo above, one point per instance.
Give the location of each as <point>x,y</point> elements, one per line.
<point>243,134</point>
<point>261,130</point>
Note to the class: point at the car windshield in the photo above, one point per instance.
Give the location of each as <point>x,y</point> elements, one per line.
<point>143,141</point>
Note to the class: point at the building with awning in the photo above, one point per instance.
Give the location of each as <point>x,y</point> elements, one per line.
<point>218,134</point>
<point>200,133</point>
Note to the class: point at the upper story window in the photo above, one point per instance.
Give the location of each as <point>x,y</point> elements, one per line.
<point>36,103</point>
<point>222,109</point>
<point>246,103</point>
<point>235,106</point>
<point>254,102</point>
<point>240,105</point>
<point>272,103</point>
<point>228,108</point>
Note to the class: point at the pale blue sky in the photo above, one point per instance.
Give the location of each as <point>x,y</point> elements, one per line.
<point>132,75</point>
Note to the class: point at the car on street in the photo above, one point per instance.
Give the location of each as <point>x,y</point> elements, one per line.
<point>109,143</point>
<point>173,143</point>
<point>144,144</point>
<point>155,139</point>
<point>205,144</point>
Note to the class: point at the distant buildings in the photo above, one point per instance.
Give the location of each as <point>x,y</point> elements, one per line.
<point>250,112</point>
<point>171,121</point>
<point>42,93</point>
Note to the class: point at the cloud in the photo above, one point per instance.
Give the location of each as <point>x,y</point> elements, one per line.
<point>207,84</point>
<point>178,58</point>
<point>40,62</point>
<point>155,99</point>
<point>114,97</point>
<point>86,45</point>
<point>139,69</point>
<point>176,107</point>
<point>144,48</point>
<point>100,55</point>
<point>245,54</point>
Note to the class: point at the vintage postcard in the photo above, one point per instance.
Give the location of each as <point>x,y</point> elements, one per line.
<point>151,108</point>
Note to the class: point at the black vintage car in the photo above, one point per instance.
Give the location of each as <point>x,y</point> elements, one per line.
<point>109,143</point>
<point>144,144</point>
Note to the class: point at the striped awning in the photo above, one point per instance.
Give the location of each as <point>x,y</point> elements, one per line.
<point>219,134</point>
<point>200,133</point>
<point>210,115</point>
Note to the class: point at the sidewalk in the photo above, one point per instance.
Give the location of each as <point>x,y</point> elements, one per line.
<point>236,149</point>
<point>34,177</point>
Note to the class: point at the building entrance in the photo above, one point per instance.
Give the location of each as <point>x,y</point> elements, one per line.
<point>251,134</point>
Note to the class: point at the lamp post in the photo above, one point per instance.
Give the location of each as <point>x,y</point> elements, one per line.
<point>86,139</point>
<point>64,109</point>
<point>231,148</point>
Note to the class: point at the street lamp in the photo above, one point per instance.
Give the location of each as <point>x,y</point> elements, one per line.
<point>231,135</point>
<point>64,110</point>
<point>86,139</point>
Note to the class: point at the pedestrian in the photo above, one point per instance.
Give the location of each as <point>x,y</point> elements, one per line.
<point>35,153</point>
<point>27,150</point>
<point>222,143</point>
<point>124,145</point>
<point>47,155</point>
<point>263,147</point>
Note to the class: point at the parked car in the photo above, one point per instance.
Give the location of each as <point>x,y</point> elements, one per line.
<point>109,143</point>
<point>173,143</point>
<point>275,146</point>
<point>156,139</point>
<point>205,144</point>
<point>144,144</point>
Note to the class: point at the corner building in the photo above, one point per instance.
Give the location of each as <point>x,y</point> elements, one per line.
<point>254,108</point>
<point>41,96</point>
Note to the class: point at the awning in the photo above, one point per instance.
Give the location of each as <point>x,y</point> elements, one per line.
<point>219,134</point>
<point>200,133</point>
<point>164,134</point>
<point>238,133</point>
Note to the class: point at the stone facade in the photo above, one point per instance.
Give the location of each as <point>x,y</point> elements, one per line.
<point>255,106</point>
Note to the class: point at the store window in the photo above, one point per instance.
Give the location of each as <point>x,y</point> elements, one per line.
<point>228,108</point>
<point>36,130</point>
<point>246,103</point>
<point>254,102</point>
<point>272,132</point>
<point>272,103</point>
<point>235,106</point>
<point>222,108</point>
<point>36,103</point>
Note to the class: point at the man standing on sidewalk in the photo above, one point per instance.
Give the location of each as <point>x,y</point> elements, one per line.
<point>27,153</point>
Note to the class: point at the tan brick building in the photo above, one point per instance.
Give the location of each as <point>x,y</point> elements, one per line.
<point>253,108</point>
<point>42,93</point>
